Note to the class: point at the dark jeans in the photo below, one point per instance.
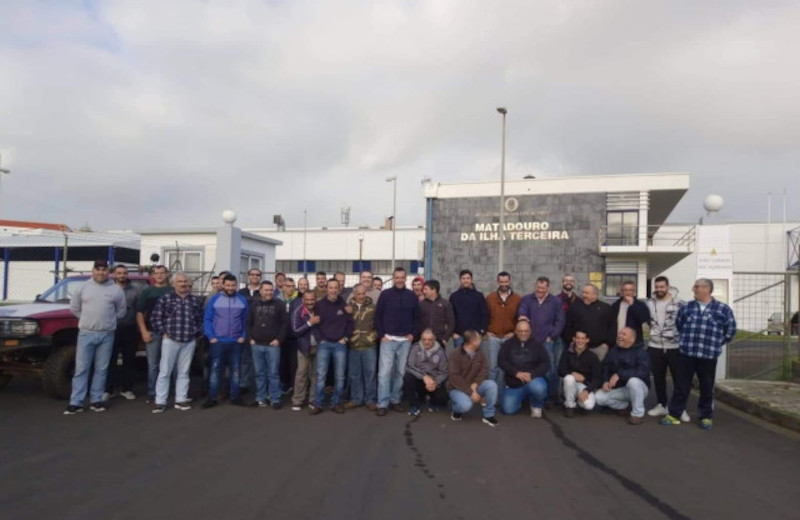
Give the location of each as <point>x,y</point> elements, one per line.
<point>414,392</point>
<point>222,354</point>
<point>288,363</point>
<point>706,370</point>
<point>660,360</point>
<point>125,340</point>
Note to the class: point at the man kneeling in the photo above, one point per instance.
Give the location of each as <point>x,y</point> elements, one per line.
<point>467,381</point>
<point>582,374</point>
<point>426,372</point>
<point>626,372</point>
<point>525,362</point>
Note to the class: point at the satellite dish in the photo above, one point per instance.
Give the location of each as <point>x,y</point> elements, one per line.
<point>713,203</point>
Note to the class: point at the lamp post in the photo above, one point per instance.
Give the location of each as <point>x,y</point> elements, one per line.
<point>393,179</point>
<point>500,259</point>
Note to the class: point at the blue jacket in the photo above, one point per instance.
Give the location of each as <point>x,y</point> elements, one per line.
<point>469,306</point>
<point>627,363</point>
<point>702,333</point>
<point>397,313</point>
<point>335,323</point>
<point>546,319</point>
<point>225,317</point>
<point>303,331</point>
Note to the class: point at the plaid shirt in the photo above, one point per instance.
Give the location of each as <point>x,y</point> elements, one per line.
<point>179,318</point>
<point>702,333</point>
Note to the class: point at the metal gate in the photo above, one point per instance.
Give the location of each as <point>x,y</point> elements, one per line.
<point>765,306</point>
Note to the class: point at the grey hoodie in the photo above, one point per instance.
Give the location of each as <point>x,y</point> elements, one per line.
<point>98,306</point>
<point>431,362</point>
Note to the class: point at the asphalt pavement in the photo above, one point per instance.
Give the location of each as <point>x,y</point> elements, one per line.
<point>249,463</point>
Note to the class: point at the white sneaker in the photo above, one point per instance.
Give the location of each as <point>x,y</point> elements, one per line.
<point>130,396</point>
<point>658,411</point>
<point>685,417</point>
<point>296,408</point>
<point>536,413</point>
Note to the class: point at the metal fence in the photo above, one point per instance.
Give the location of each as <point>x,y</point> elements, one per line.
<point>766,342</point>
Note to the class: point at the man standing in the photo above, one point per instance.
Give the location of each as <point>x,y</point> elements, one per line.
<point>377,283</point>
<point>216,286</point>
<point>344,292</point>
<point>291,298</point>
<point>416,286</point>
<point>545,314</point>
<point>525,362</point>
<point>362,359</point>
<point>582,375</point>
<point>469,306</point>
<point>178,320</point>
<point>321,291</point>
<point>663,344</point>
<point>304,321</point>
<point>397,321</point>
<point>567,295</point>
<point>365,278</point>
<point>266,326</point>
<point>704,326</point>
<point>253,284</point>
<point>436,313</point>
<point>595,318</point>
<point>98,304</point>
<point>466,380</point>
<point>246,372</point>
<point>126,338</point>
<point>144,308</point>
<point>631,312</point>
<point>224,325</point>
<point>425,375</point>
<point>626,374</point>
<point>335,327</point>
<point>503,305</point>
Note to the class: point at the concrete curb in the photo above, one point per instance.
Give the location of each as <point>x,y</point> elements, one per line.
<point>760,409</point>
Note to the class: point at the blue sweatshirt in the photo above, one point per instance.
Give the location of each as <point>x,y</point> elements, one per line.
<point>469,306</point>
<point>397,313</point>
<point>627,363</point>
<point>546,318</point>
<point>334,322</point>
<point>225,317</point>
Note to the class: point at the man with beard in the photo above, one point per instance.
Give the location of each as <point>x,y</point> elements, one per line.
<point>595,318</point>
<point>126,338</point>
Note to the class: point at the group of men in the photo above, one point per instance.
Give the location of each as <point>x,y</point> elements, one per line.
<point>384,347</point>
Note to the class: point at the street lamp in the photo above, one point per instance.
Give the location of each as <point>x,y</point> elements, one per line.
<point>500,262</point>
<point>393,179</point>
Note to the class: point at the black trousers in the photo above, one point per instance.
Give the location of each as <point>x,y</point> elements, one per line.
<point>706,370</point>
<point>660,361</point>
<point>414,392</point>
<point>288,367</point>
<point>126,338</point>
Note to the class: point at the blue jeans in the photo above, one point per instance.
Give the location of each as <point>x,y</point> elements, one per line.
<point>554,349</point>
<point>491,348</point>
<point>391,369</point>
<point>536,390</point>
<point>246,373</point>
<point>94,347</point>
<point>363,375</point>
<point>463,404</point>
<point>222,354</point>
<point>153,349</point>
<point>174,353</point>
<point>326,351</point>
<point>266,361</point>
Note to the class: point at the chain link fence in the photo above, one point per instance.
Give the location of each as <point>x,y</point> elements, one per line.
<point>766,343</point>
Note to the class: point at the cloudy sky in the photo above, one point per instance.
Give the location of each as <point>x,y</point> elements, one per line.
<point>162,114</point>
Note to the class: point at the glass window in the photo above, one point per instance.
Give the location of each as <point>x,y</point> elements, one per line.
<point>622,228</point>
<point>614,283</point>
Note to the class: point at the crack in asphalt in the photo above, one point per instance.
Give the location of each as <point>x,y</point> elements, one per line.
<point>634,487</point>
<point>419,462</point>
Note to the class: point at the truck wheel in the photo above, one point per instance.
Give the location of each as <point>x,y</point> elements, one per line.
<point>5,378</point>
<point>57,372</point>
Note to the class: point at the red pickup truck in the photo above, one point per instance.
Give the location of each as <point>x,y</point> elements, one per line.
<point>40,337</point>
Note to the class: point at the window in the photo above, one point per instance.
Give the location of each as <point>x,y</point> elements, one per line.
<point>180,260</point>
<point>622,228</point>
<point>614,283</point>
<point>310,266</point>
<point>361,265</point>
<point>249,261</point>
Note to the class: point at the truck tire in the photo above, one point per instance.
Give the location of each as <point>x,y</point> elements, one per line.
<point>57,372</point>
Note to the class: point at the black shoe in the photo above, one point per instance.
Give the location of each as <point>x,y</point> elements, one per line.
<point>243,390</point>
<point>238,401</point>
<point>455,416</point>
<point>98,407</point>
<point>491,421</point>
<point>160,408</point>
<point>72,410</point>
<point>569,412</point>
<point>399,408</point>
<point>211,403</point>
<point>315,410</point>
<point>276,406</point>
<point>381,412</point>
<point>337,409</point>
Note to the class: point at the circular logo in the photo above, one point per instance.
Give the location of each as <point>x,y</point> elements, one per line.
<point>512,204</point>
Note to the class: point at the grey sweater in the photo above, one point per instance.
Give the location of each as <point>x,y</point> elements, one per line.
<point>431,362</point>
<point>98,306</point>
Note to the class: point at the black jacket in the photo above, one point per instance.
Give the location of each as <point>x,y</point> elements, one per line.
<point>586,365</point>
<point>438,316</point>
<point>638,313</point>
<point>627,363</point>
<point>267,321</point>
<point>597,320</point>
<point>516,357</point>
<point>469,306</point>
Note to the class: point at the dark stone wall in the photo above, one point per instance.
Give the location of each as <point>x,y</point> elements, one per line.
<point>526,257</point>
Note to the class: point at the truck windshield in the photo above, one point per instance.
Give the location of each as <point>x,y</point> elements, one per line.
<point>62,291</point>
